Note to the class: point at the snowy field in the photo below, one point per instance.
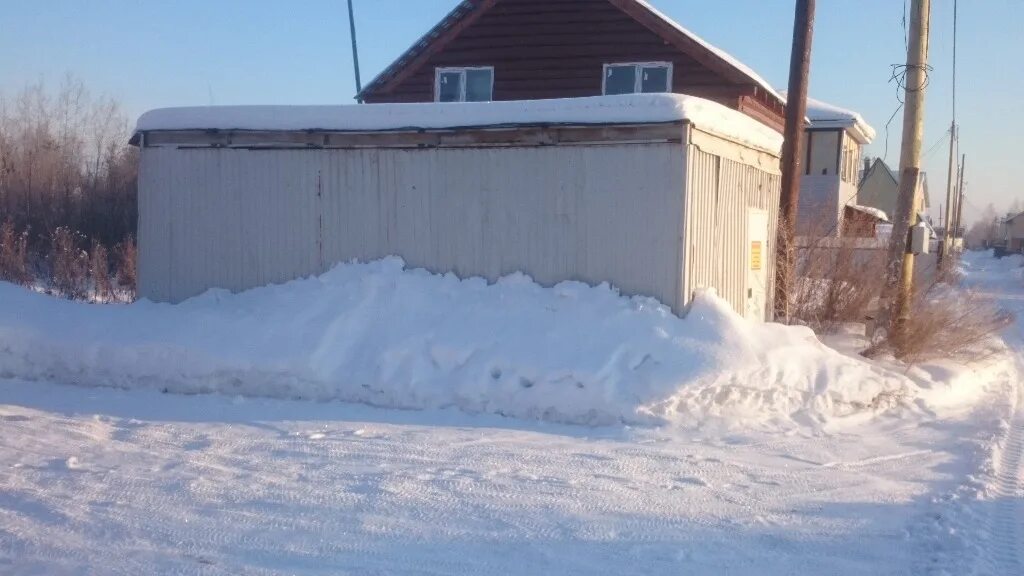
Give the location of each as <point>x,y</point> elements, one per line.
<point>767,460</point>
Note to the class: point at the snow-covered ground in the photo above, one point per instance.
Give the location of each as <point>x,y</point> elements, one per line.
<point>130,481</point>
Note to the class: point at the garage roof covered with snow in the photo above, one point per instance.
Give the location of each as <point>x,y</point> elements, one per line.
<point>598,110</point>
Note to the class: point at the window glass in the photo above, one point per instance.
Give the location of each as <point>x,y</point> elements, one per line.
<point>449,88</point>
<point>654,79</point>
<point>824,153</point>
<point>479,84</point>
<point>620,79</point>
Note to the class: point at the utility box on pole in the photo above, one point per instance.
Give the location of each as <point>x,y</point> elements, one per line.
<point>920,238</point>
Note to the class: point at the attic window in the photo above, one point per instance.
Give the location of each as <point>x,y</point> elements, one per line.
<point>474,84</point>
<point>637,78</point>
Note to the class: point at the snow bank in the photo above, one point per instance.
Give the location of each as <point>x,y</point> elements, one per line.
<point>629,108</point>
<point>379,334</point>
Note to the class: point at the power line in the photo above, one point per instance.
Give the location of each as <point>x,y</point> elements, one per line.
<point>935,147</point>
<point>885,155</point>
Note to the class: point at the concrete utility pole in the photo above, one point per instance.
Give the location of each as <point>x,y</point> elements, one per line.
<point>900,273</point>
<point>355,49</point>
<point>792,167</point>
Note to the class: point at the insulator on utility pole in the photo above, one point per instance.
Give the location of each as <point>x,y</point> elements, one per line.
<point>796,112</point>
<point>900,271</point>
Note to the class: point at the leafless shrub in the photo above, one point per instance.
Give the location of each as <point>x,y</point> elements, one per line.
<point>99,272</point>
<point>65,162</point>
<point>14,254</point>
<point>948,322</point>
<point>837,279</point>
<point>945,321</point>
<point>69,264</point>
<point>839,282</point>
<point>126,255</point>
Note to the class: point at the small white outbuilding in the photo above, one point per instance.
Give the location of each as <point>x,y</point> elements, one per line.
<point>658,194</point>
<point>833,145</point>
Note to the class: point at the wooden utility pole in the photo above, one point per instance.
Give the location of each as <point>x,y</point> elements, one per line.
<point>900,272</point>
<point>792,167</point>
<point>947,238</point>
<point>960,197</point>
<point>355,50</point>
<point>947,243</point>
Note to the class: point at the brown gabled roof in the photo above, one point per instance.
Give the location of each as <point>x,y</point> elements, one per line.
<point>468,11</point>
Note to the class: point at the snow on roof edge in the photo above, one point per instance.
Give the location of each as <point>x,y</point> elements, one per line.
<point>729,58</point>
<point>825,115</point>
<point>632,108</point>
<point>871,211</point>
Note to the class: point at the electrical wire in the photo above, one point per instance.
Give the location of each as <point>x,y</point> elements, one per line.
<point>935,147</point>
<point>899,76</point>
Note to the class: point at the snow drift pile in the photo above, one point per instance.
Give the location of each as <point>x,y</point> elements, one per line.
<point>380,334</point>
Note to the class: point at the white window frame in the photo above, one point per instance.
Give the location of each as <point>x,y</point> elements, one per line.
<point>462,70</point>
<point>638,81</point>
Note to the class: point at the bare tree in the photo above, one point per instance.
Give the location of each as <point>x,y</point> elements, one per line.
<point>984,229</point>
<point>65,163</point>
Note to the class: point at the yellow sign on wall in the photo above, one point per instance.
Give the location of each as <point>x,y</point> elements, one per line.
<point>755,255</point>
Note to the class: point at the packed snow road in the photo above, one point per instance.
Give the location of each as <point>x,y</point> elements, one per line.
<point>111,481</point>
<point>1003,282</point>
<point>118,482</point>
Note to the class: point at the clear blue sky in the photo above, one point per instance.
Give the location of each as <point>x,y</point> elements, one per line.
<point>155,53</point>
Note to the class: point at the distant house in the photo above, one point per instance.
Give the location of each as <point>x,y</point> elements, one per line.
<point>488,50</point>
<point>831,159</point>
<point>1013,232</point>
<point>879,188</point>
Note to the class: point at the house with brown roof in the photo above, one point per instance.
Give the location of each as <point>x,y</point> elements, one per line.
<point>491,50</point>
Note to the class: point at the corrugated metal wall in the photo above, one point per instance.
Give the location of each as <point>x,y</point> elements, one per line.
<point>236,219</point>
<point>211,218</point>
<point>719,192</point>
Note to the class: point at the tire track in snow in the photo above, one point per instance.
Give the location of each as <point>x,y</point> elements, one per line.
<point>1007,521</point>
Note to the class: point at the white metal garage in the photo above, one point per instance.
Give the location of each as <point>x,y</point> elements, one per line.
<point>656,194</point>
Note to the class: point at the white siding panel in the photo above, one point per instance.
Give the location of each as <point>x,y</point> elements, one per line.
<point>228,220</point>
<point>719,193</point>
<point>236,219</point>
